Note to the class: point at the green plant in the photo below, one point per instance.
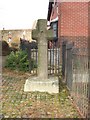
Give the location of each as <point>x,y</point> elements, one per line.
<point>10,62</point>
<point>19,61</point>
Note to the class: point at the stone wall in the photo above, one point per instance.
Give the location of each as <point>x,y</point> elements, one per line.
<point>15,35</point>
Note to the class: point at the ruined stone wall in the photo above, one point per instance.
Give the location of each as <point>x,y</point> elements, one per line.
<point>15,35</point>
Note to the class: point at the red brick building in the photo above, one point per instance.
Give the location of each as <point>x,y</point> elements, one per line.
<point>70,21</point>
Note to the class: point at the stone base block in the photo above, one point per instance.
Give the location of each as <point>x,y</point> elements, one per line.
<point>35,84</point>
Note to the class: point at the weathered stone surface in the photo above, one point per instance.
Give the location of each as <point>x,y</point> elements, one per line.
<point>42,83</point>
<point>42,35</point>
<point>46,85</point>
<point>16,35</point>
<point>34,34</point>
<point>49,34</point>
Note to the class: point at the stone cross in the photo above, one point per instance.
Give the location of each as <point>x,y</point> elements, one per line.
<point>42,35</point>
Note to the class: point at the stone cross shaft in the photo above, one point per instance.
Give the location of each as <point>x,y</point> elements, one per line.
<point>42,35</point>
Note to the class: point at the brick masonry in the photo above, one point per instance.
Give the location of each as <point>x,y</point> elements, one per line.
<point>74,26</point>
<point>73,21</point>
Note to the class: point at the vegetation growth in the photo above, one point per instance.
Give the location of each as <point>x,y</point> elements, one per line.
<point>19,61</point>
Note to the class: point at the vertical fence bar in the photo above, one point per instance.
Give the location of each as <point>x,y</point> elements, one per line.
<point>88,83</point>
<point>36,59</point>
<point>33,59</point>
<point>55,61</point>
<point>53,58</point>
<point>80,90</point>
<point>69,65</point>
<point>50,61</point>
<point>49,66</point>
<point>59,61</point>
<point>29,56</point>
<point>64,58</point>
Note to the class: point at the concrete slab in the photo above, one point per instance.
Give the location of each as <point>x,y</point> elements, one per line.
<point>35,84</point>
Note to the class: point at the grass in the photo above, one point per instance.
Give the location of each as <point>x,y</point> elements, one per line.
<point>19,104</point>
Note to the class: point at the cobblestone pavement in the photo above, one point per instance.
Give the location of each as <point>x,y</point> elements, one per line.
<point>19,104</point>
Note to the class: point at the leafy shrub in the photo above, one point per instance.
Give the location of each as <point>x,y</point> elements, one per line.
<point>19,61</point>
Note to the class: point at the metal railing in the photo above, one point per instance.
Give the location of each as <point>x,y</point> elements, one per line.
<point>81,81</point>
<point>77,77</point>
<point>53,57</point>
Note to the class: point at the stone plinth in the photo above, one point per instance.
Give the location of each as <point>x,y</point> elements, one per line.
<point>35,84</point>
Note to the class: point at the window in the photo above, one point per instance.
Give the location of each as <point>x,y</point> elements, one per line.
<point>54,26</point>
<point>55,29</point>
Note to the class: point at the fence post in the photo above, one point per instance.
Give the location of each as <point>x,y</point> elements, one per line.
<point>63,58</point>
<point>69,65</point>
<point>89,85</point>
<point>29,55</point>
<point>89,62</point>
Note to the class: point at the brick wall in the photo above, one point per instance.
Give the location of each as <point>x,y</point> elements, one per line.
<point>79,41</point>
<point>73,22</point>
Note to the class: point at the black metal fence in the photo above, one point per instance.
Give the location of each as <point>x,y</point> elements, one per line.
<point>54,61</point>
<point>81,81</point>
<point>32,52</point>
<point>76,72</point>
